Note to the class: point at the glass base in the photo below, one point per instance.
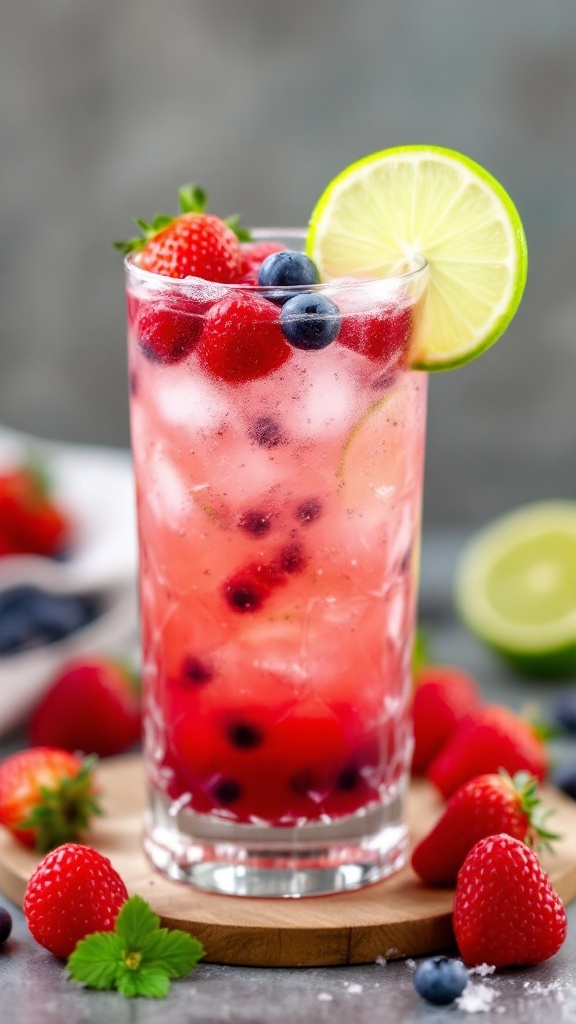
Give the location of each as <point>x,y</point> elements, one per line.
<point>251,860</point>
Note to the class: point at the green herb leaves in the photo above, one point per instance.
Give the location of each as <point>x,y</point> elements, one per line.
<point>138,958</point>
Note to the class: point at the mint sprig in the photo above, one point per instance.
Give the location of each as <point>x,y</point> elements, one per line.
<point>139,958</point>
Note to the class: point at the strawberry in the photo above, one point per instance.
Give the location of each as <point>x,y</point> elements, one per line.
<point>506,912</point>
<point>167,335</point>
<point>47,796</point>
<point>252,255</point>
<point>30,521</point>
<point>194,244</point>
<point>242,339</point>
<point>93,704</point>
<point>482,807</point>
<point>444,698</point>
<point>496,738</point>
<point>251,586</point>
<point>380,331</point>
<point>74,892</point>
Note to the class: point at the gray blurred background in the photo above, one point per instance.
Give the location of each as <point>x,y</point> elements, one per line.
<point>107,107</point>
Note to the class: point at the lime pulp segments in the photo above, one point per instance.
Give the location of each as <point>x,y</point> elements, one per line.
<point>388,213</point>
<point>516,587</point>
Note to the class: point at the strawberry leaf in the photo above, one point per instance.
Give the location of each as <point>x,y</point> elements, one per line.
<point>193,199</point>
<point>152,984</point>
<point>175,953</point>
<point>97,960</point>
<point>64,810</point>
<point>242,234</point>
<point>160,221</point>
<point>525,787</point>
<point>135,921</point>
<point>130,245</point>
<point>138,958</point>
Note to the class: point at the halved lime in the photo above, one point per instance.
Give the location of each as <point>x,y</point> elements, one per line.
<point>516,587</point>
<point>390,211</point>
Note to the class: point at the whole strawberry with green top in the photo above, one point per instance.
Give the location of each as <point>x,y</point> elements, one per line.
<point>31,522</point>
<point>193,244</point>
<point>506,912</point>
<point>494,737</point>
<point>47,796</point>
<point>485,806</point>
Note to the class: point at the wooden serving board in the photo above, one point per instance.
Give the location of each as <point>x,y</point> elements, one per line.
<point>396,918</point>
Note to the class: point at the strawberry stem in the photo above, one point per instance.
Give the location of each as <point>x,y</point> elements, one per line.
<point>193,199</point>
<point>64,810</point>
<point>525,786</point>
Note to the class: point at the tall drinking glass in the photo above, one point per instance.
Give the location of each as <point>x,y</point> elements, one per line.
<point>279,519</point>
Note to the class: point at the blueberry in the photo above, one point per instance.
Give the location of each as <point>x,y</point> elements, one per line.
<point>440,980</point>
<point>245,736</point>
<point>289,270</point>
<point>227,791</point>
<point>564,778</point>
<point>195,670</point>
<point>266,432</point>
<point>31,617</point>
<point>255,522</point>
<point>310,322</point>
<point>291,558</point>
<point>302,783</point>
<point>243,597</point>
<point>56,616</point>
<point>309,510</point>
<point>564,712</point>
<point>5,925</point>
<point>348,779</point>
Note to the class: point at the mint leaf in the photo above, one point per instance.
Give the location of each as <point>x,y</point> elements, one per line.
<point>175,953</point>
<point>97,960</point>
<point>152,984</point>
<point>138,958</point>
<point>135,921</point>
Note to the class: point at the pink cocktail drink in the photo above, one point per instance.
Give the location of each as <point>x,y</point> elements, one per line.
<point>279,519</point>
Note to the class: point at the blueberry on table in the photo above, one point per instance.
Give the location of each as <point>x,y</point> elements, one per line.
<point>440,980</point>
<point>310,321</point>
<point>5,925</point>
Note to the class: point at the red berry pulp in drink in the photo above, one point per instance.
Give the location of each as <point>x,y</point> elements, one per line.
<point>279,519</point>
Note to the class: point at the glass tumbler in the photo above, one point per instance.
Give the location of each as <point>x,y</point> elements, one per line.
<point>279,486</point>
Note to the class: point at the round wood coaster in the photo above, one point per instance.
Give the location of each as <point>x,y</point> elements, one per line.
<point>395,918</point>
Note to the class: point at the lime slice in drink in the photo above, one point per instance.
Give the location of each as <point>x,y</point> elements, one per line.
<point>516,587</point>
<point>390,211</point>
<point>370,463</point>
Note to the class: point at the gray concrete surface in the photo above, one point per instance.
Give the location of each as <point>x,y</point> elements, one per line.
<point>107,107</point>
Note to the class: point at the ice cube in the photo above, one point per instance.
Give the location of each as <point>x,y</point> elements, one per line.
<point>166,489</point>
<point>190,402</point>
<point>328,404</point>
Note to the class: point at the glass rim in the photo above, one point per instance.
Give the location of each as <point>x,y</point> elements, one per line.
<point>162,282</point>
